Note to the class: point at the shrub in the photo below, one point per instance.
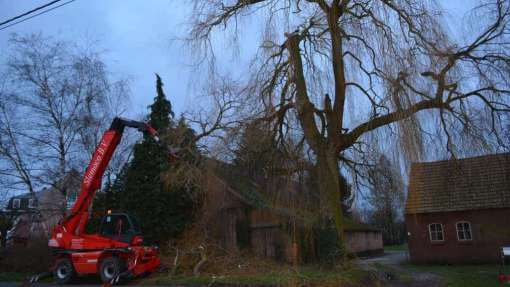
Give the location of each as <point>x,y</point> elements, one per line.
<point>34,257</point>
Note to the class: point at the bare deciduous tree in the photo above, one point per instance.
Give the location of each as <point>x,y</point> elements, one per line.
<point>59,100</point>
<point>222,112</point>
<point>335,71</point>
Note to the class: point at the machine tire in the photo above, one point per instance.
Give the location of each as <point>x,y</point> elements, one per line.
<point>64,272</point>
<point>110,268</point>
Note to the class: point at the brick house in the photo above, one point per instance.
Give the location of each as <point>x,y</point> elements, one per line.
<point>458,211</point>
<point>34,215</point>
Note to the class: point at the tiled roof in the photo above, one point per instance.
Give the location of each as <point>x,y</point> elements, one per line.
<point>465,184</point>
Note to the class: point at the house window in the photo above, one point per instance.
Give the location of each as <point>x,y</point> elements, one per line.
<point>31,203</point>
<point>71,199</point>
<point>436,232</point>
<point>464,231</point>
<point>16,203</point>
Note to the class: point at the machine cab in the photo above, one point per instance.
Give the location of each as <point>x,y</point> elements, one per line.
<point>120,227</point>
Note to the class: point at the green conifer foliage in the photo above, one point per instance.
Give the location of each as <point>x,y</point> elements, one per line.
<point>161,116</point>
<point>140,189</point>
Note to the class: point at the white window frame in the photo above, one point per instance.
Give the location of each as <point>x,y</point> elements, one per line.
<point>31,203</point>
<point>470,230</point>
<point>442,232</point>
<point>16,203</point>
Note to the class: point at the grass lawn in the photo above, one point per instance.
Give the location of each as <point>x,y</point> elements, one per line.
<point>461,275</point>
<point>13,276</point>
<point>304,276</point>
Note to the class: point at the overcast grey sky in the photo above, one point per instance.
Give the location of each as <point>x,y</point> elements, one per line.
<point>137,37</point>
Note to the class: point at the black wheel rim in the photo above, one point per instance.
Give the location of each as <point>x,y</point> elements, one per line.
<point>109,270</point>
<point>62,271</point>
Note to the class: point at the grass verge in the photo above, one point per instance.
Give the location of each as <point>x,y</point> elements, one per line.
<point>13,276</point>
<point>310,276</point>
<point>460,275</point>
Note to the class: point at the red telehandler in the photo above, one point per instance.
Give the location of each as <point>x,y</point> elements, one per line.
<point>116,251</point>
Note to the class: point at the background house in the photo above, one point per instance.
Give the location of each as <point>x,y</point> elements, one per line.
<point>458,211</point>
<point>240,215</point>
<point>34,215</point>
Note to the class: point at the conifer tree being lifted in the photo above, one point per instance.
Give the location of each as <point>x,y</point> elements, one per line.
<point>116,251</point>
<point>163,211</point>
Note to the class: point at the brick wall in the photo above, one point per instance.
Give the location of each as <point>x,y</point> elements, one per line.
<point>490,230</point>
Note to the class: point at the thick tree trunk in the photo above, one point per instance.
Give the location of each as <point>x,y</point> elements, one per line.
<point>331,190</point>
<point>330,187</point>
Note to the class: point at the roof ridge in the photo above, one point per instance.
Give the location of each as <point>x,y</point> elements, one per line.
<point>464,159</point>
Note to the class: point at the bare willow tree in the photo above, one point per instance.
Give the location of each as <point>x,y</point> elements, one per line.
<point>56,102</point>
<point>340,69</point>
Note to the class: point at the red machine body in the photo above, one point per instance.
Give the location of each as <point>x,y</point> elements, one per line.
<point>504,272</point>
<point>117,251</point>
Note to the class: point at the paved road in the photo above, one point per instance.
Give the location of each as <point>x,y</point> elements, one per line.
<point>393,260</point>
<point>389,258</point>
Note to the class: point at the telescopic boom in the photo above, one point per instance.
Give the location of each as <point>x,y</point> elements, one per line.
<point>76,221</point>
